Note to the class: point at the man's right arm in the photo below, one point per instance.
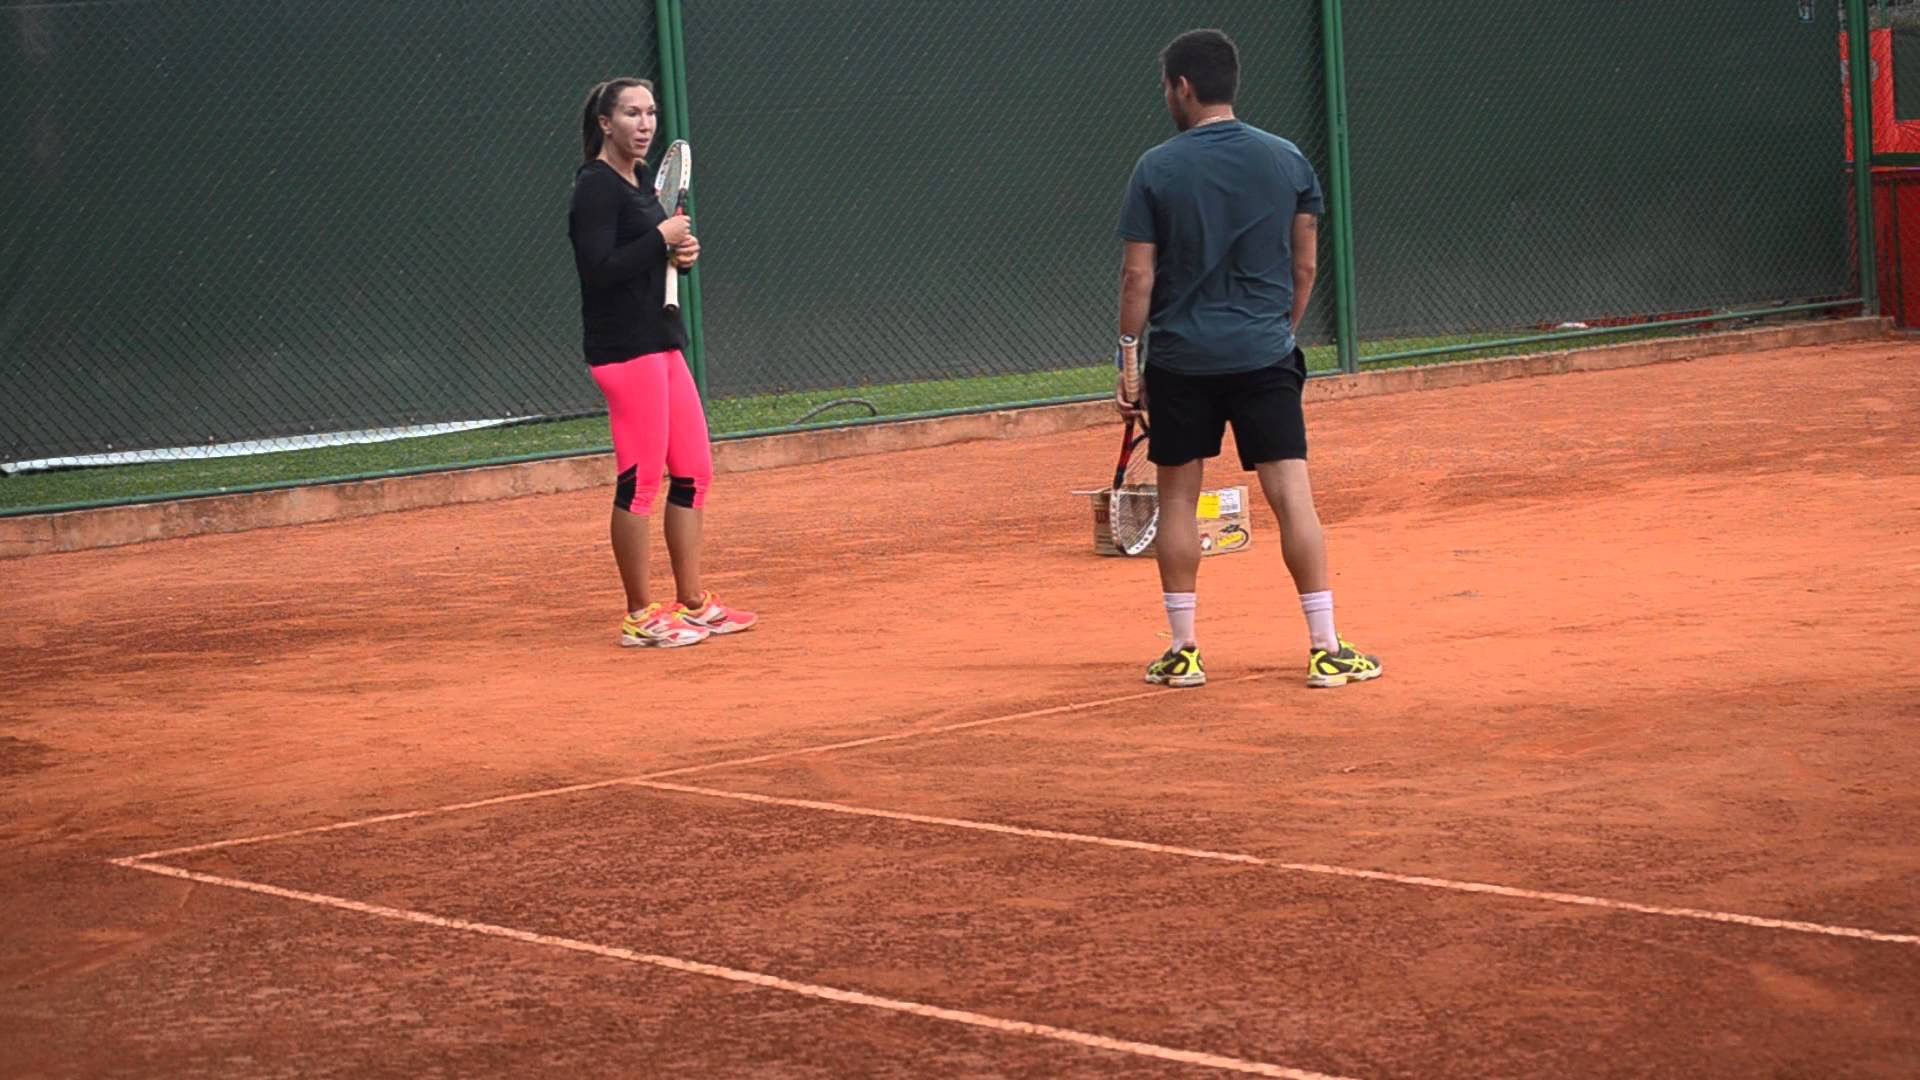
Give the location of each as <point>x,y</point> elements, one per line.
<point>1306,262</point>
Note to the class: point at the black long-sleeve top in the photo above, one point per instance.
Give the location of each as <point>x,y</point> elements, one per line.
<point>622,261</point>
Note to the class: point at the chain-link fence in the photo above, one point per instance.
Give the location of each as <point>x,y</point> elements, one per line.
<point>246,225</point>
<point>921,206</point>
<point>1588,164</point>
<point>263,226</point>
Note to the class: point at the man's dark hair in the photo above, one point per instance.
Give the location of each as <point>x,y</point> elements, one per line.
<point>1208,60</point>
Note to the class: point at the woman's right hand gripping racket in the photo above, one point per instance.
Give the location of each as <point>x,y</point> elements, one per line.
<point>670,184</point>
<point>1133,504</point>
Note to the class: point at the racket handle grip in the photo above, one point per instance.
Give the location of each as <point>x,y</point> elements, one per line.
<point>1130,368</point>
<point>673,289</point>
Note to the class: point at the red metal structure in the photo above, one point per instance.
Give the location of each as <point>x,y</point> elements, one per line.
<point>1896,188</point>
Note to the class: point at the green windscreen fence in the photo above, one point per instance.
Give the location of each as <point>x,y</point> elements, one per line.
<point>1522,167</point>
<point>897,192</point>
<point>264,220</point>
<point>263,225</point>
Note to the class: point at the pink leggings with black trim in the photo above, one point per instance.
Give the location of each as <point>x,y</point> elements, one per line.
<point>658,424</point>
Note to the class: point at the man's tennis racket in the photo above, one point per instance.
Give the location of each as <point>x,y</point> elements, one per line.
<point>670,184</point>
<point>1133,504</point>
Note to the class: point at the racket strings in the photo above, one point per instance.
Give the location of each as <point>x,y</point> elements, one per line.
<point>671,179</point>
<point>1133,510</point>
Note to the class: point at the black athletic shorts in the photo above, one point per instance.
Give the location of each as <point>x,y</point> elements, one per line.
<point>1189,413</point>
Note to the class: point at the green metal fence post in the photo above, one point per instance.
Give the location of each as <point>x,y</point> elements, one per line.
<point>673,125</point>
<point>1339,186</point>
<point>696,330</point>
<point>663,29</point>
<point>1349,273</point>
<point>1860,63</point>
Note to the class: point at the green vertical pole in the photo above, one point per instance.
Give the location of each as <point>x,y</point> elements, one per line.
<point>673,125</point>
<point>663,29</point>
<point>1350,268</point>
<point>1860,63</point>
<point>696,329</point>
<point>1339,185</point>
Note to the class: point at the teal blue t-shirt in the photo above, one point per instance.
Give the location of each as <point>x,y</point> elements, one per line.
<point>1218,202</point>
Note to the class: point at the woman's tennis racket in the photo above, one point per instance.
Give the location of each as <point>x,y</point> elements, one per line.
<point>1133,504</point>
<point>670,185</point>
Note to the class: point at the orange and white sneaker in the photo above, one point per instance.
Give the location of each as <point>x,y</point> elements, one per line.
<point>660,628</point>
<point>717,618</point>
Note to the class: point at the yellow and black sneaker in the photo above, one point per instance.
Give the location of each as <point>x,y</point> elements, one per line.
<point>1179,666</point>
<point>1326,669</point>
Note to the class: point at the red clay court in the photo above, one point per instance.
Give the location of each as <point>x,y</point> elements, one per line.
<point>1636,798</point>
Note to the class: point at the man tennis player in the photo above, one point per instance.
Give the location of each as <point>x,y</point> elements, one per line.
<point>1221,225</point>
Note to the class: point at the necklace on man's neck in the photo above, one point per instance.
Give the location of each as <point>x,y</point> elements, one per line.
<point>1214,120</point>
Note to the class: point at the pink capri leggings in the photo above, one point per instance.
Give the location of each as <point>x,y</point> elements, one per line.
<point>658,425</point>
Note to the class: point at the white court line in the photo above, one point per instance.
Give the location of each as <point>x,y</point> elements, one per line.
<point>359,823</point>
<point>1301,868</point>
<point>750,978</point>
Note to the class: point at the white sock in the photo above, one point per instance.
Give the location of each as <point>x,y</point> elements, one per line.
<point>1318,608</point>
<point>1180,617</point>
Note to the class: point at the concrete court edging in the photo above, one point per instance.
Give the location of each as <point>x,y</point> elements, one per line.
<point>78,530</point>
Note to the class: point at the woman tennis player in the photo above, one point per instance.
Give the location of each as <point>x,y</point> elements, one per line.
<point>622,242</point>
